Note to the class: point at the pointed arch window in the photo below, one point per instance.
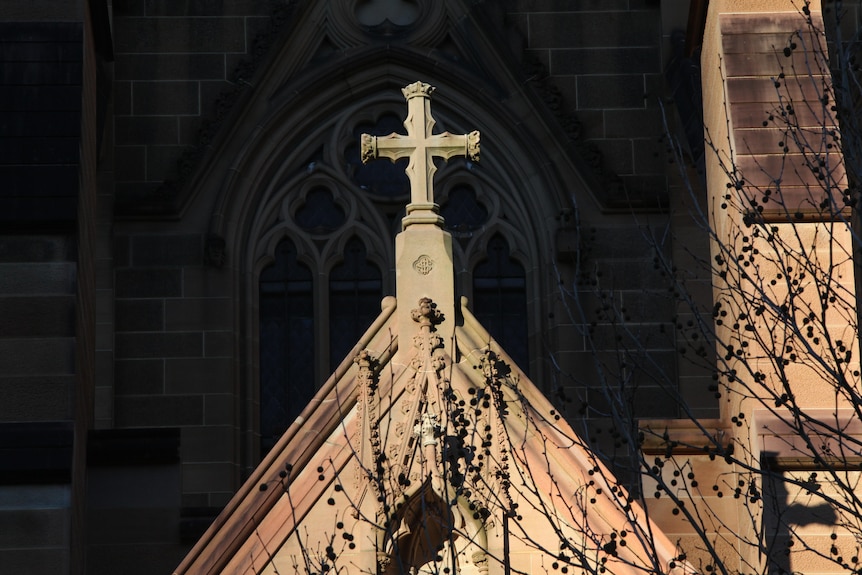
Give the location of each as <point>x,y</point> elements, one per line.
<point>355,291</point>
<point>311,316</point>
<point>500,300</point>
<point>286,343</point>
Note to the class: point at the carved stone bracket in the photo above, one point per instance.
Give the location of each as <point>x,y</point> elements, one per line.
<point>427,429</point>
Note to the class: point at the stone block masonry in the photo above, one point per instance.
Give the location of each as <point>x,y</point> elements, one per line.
<point>606,60</point>
<point>173,60</point>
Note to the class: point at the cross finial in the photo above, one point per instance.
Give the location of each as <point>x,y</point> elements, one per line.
<point>421,145</point>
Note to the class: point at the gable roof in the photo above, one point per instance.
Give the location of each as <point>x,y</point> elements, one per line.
<point>505,461</point>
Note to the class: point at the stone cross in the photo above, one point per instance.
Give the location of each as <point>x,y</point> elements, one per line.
<point>421,145</point>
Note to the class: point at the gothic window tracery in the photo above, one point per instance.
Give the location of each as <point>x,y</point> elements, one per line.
<point>377,12</point>
<point>319,214</point>
<point>290,338</point>
<point>342,215</point>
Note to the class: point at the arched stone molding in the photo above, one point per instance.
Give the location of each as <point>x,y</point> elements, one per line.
<point>299,143</point>
<point>259,171</point>
<point>517,161</point>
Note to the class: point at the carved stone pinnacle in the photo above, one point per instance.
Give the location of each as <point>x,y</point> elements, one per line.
<point>473,145</point>
<point>364,359</point>
<point>427,313</point>
<point>368,148</point>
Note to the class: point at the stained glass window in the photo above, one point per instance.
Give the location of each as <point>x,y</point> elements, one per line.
<point>355,291</point>
<point>500,300</point>
<point>286,343</point>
